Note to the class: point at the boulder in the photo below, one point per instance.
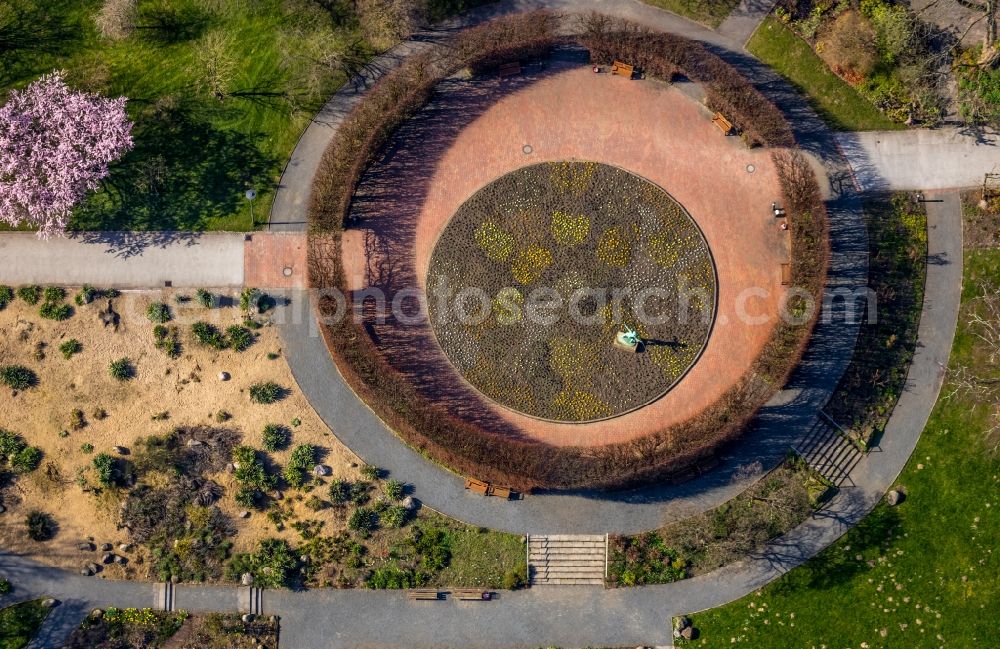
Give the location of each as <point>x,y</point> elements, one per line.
<point>246,579</point>
<point>687,632</point>
<point>85,546</point>
<point>120,560</point>
<point>107,547</point>
<point>247,617</point>
<point>97,614</point>
<point>107,558</point>
<point>244,514</point>
<point>410,504</point>
<point>125,547</point>
<point>49,602</point>
<point>86,571</point>
<point>223,376</point>
<point>195,442</point>
<point>322,470</point>
<point>94,568</point>
<point>121,450</point>
<point>894,497</point>
<point>683,623</point>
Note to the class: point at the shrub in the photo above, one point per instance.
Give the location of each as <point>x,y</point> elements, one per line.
<point>86,295</point>
<point>122,369</point>
<point>395,516</point>
<point>340,491</point>
<point>158,312</point>
<point>848,47</point>
<point>370,471</point>
<point>55,311</point>
<point>76,420</point>
<point>393,489</point>
<point>167,340</point>
<point>107,469</point>
<point>363,520</point>
<point>294,477</point>
<point>87,448</point>
<point>5,586</point>
<point>208,335</point>
<point>70,347</point>
<point>14,450</point>
<point>250,300</point>
<point>18,377</point>
<point>246,497</point>
<point>265,393</point>
<point>222,416</point>
<point>250,471</point>
<point>40,525</point>
<point>30,294</point>
<point>392,576</point>
<point>433,546</point>
<point>205,298</point>
<point>303,457</point>
<point>238,338</point>
<point>6,296</point>
<point>516,578</point>
<point>272,564</point>
<point>275,437</point>
<point>27,460</point>
<point>54,293</point>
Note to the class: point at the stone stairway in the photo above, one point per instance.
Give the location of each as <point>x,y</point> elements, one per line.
<point>567,559</point>
<point>827,451</point>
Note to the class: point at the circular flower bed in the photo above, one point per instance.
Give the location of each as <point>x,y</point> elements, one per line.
<point>536,274</point>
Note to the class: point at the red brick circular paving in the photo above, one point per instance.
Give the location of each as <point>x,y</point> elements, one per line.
<point>649,128</point>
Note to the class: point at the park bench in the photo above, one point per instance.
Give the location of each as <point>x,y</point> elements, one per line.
<point>471,594</point>
<point>500,492</point>
<point>478,486</point>
<point>423,594</point>
<point>624,69</point>
<point>724,124</point>
<point>786,274</point>
<point>510,70</point>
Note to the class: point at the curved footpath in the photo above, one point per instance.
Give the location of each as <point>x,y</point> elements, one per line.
<point>581,615</point>
<point>779,425</point>
<point>570,617</point>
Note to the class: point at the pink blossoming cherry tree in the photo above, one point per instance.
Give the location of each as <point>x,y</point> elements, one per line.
<point>55,146</point>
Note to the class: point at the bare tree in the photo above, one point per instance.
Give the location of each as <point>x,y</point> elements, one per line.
<point>116,19</point>
<point>216,65</point>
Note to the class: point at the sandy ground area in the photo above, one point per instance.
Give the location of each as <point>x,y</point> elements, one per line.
<point>188,389</point>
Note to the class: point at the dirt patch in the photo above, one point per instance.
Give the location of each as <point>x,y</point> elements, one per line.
<point>163,394</point>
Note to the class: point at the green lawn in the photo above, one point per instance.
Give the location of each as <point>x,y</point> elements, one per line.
<point>836,102</point>
<point>481,557</point>
<point>19,623</point>
<point>195,155</point>
<point>922,574</point>
<point>710,12</point>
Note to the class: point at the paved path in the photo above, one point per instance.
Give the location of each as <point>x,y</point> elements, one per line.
<point>740,25</point>
<point>921,159</point>
<point>574,616</point>
<point>124,259</point>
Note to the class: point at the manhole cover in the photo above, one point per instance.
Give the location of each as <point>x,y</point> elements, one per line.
<point>751,169</point>
<point>527,149</point>
<point>287,271</point>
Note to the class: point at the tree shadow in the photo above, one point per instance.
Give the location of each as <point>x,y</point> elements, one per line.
<point>182,173</point>
<point>31,33</point>
<point>168,25</point>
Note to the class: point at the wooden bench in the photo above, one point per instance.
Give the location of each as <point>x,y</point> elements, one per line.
<point>786,274</point>
<point>500,492</point>
<point>423,594</point>
<point>478,486</point>
<point>510,70</point>
<point>724,124</point>
<point>624,69</point>
<point>471,594</point>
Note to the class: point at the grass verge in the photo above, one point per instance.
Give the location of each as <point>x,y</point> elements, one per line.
<point>922,574</point>
<point>710,13</point>
<point>20,623</point>
<point>837,103</point>
<point>897,254</point>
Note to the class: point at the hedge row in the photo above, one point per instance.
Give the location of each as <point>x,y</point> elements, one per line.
<point>527,465</point>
